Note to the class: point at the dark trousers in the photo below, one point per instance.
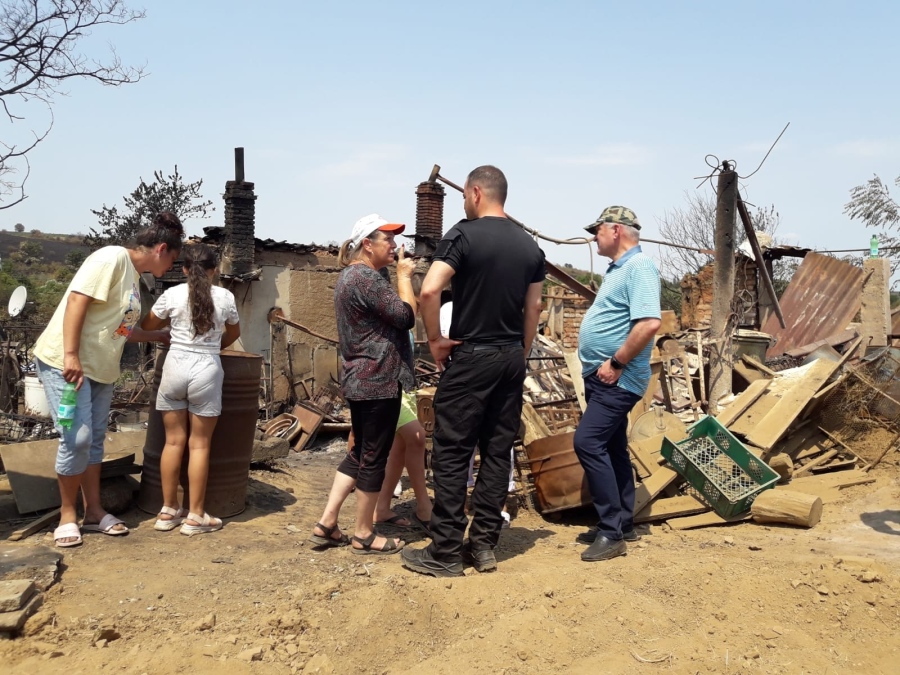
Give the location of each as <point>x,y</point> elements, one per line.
<point>601,443</point>
<point>374,423</point>
<point>478,403</point>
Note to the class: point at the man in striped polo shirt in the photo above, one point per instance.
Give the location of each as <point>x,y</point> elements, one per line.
<point>614,346</point>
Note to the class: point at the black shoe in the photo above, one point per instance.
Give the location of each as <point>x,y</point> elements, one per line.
<point>420,560</point>
<point>590,535</point>
<point>604,549</point>
<point>482,561</point>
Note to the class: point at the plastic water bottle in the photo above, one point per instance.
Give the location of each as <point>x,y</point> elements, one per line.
<point>873,247</point>
<point>66,414</point>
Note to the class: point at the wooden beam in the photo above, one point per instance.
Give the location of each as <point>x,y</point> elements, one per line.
<point>743,401</point>
<point>646,491</point>
<point>704,520</point>
<point>753,363</point>
<point>672,507</point>
<point>779,419</point>
<point>821,459</point>
<point>643,460</point>
<point>838,479</point>
<point>34,526</point>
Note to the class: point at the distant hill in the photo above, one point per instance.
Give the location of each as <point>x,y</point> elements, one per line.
<point>55,246</point>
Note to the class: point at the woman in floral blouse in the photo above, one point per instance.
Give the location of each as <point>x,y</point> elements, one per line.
<point>373,330</point>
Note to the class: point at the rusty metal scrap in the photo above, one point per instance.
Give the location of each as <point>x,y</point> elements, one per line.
<point>570,282</point>
<point>822,298</point>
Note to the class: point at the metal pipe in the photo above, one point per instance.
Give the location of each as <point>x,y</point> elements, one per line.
<point>757,254</point>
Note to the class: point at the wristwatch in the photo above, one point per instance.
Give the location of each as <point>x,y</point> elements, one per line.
<point>615,363</point>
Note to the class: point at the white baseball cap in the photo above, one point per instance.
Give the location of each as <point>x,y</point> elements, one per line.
<point>368,224</point>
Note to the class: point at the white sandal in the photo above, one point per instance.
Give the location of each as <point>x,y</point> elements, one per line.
<point>169,525</point>
<point>207,522</point>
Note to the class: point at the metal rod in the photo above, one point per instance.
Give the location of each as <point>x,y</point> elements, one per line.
<point>435,175</point>
<point>760,263</point>
<point>569,282</point>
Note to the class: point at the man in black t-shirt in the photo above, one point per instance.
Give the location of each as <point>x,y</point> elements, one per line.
<point>496,271</point>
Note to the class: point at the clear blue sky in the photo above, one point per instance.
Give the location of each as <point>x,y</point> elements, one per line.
<point>343,108</point>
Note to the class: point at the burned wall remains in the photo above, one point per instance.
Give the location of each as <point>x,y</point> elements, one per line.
<point>697,295</point>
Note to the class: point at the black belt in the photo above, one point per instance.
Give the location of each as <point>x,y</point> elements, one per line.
<point>467,347</point>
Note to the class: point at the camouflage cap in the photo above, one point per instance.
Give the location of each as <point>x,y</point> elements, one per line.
<point>615,214</point>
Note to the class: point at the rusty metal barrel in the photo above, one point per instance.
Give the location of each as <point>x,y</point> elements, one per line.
<point>232,440</point>
<point>559,480</point>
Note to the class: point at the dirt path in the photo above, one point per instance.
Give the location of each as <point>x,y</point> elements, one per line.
<point>746,598</point>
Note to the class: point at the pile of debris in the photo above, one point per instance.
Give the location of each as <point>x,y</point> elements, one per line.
<point>816,408</point>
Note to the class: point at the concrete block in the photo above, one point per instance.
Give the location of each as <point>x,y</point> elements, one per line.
<point>15,593</point>
<point>269,448</point>
<point>875,311</point>
<point>12,622</point>
<point>38,563</point>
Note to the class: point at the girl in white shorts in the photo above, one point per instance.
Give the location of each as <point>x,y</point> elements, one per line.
<point>204,320</point>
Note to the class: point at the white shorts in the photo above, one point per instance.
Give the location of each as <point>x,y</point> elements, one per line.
<point>192,381</point>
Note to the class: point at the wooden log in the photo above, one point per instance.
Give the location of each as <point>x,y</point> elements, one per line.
<point>783,465</point>
<point>787,506</point>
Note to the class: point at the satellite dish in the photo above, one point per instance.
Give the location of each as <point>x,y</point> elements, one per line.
<point>17,301</point>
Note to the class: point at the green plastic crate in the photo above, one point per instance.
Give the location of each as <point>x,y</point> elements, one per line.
<point>718,466</point>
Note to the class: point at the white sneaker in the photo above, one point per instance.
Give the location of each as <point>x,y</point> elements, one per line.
<point>398,489</point>
<point>506,520</point>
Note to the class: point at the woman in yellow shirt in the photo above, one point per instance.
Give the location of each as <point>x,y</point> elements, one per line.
<point>83,344</point>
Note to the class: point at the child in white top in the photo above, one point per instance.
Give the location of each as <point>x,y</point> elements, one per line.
<point>203,320</point>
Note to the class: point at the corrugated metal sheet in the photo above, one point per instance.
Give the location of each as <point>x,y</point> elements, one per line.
<point>822,298</point>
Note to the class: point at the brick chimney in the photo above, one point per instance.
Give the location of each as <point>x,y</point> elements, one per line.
<point>429,217</point>
<point>240,215</point>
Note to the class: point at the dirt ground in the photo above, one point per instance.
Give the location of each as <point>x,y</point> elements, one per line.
<point>743,598</point>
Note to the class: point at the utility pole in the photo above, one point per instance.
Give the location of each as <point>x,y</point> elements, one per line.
<point>720,358</point>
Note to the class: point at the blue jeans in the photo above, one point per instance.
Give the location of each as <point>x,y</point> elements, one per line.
<point>82,444</point>
<point>601,443</point>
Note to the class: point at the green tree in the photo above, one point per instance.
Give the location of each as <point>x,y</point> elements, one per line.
<point>46,297</point>
<point>20,227</point>
<point>74,258</point>
<point>32,248</point>
<point>165,193</point>
<point>873,204</point>
<point>64,275</point>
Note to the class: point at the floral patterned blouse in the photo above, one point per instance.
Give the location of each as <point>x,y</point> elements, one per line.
<point>373,331</point>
